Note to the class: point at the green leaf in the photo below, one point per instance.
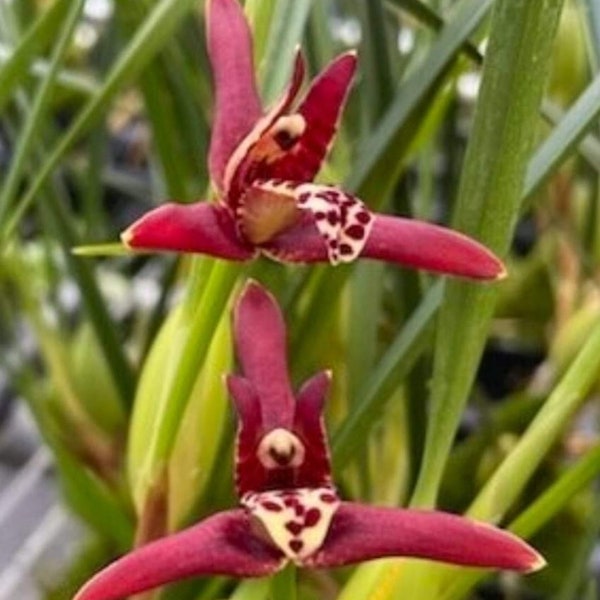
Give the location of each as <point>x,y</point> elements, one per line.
<point>196,450</point>
<point>109,249</point>
<point>521,40</point>
<point>147,41</point>
<point>409,344</point>
<point>285,32</point>
<point>429,17</point>
<point>260,14</point>
<point>574,125</point>
<point>93,501</point>
<point>170,373</point>
<point>501,490</point>
<point>58,221</point>
<point>39,36</point>
<point>379,155</point>
<point>37,112</point>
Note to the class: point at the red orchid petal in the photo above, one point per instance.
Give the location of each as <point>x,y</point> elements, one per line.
<point>260,337</point>
<point>237,104</point>
<point>246,162</point>
<point>201,227</point>
<point>250,474</point>
<point>360,532</point>
<point>421,245</point>
<point>315,471</point>
<point>221,545</point>
<point>321,109</point>
<point>299,244</point>
<point>407,242</point>
<point>284,103</point>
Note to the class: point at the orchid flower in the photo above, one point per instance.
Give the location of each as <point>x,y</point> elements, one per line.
<point>290,509</point>
<point>262,164</point>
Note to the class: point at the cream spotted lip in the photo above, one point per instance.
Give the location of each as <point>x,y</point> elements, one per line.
<point>290,511</point>
<point>263,164</point>
<point>296,520</point>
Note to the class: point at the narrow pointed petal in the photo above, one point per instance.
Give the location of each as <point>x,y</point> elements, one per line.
<point>202,227</point>
<point>417,244</point>
<point>220,545</point>
<point>260,338</point>
<point>237,104</point>
<point>299,244</point>
<point>250,474</point>
<point>321,108</point>
<point>315,471</point>
<point>252,157</point>
<point>359,532</point>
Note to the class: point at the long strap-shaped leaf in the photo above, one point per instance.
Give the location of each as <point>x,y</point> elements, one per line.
<point>488,205</point>
<point>564,137</point>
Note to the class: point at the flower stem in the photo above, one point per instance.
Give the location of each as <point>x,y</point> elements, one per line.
<point>283,584</point>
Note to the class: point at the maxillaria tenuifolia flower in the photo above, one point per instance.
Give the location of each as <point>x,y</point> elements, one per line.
<point>262,165</point>
<point>290,509</point>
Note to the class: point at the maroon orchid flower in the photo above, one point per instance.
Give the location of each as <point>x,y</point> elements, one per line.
<point>262,165</point>
<point>290,510</point>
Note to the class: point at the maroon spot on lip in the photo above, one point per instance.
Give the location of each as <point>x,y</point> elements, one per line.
<point>356,232</point>
<point>296,545</point>
<point>333,217</point>
<point>294,527</point>
<point>345,249</point>
<point>363,217</point>
<point>333,243</point>
<point>271,506</point>
<point>312,517</point>
<point>328,498</point>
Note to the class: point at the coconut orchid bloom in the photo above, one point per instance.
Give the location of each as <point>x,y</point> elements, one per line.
<point>262,164</point>
<point>290,509</point>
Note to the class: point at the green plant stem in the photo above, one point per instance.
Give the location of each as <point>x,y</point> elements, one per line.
<point>283,584</point>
